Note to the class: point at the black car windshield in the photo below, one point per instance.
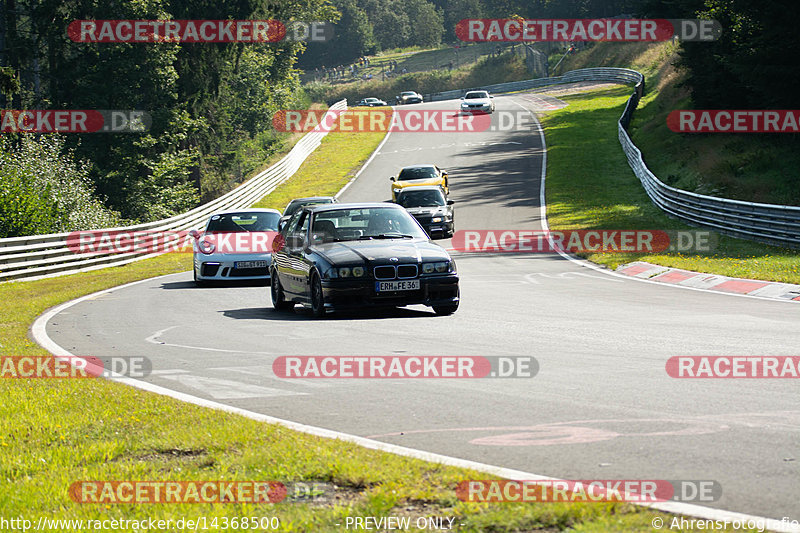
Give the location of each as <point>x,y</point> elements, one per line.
<point>408,94</point>
<point>365,223</point>
<point>294,205</point>
<point>417,173</point>
<point>253,221</point>
<point>476,94</point>
<point>412,198</point>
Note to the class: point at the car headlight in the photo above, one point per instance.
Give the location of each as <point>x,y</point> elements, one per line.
<point>332,273</point>
<point>436,219</point>
<point>440,267</point>
<point>346,272</point>
<point>206,246</point>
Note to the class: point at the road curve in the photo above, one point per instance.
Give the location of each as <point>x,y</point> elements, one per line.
<point>602,405</point>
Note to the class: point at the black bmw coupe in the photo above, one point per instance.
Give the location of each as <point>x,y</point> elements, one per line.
<point>342,256</point>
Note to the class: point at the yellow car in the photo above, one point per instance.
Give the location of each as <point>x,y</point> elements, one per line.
<point>417,175</point>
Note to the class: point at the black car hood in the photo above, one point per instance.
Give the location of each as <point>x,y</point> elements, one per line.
<point>380,251</point>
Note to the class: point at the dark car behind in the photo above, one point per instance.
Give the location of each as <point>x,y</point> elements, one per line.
<point>431,208</point>
<point>351,256</point>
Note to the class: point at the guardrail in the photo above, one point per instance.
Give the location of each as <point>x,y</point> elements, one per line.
<point>769,223</point>
<point>41,256</point>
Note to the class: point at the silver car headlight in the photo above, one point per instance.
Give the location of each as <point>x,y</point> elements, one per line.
<point>206,246</point>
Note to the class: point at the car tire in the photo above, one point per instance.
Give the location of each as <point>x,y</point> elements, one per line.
<point>198,282</point>
<point>317,298</point>
<point>279,302</point>
<point>443,310</point>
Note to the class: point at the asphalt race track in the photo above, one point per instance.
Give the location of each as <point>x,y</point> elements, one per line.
<point>602,405</point>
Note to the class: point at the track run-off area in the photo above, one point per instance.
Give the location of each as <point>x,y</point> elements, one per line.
<point>601,406</point>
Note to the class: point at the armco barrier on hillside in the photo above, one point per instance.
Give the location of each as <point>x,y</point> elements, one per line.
<point>41,256</point>
<point>769,223</point>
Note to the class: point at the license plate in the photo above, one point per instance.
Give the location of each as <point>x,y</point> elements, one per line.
<point>388,286</point>
<point>250,264</point>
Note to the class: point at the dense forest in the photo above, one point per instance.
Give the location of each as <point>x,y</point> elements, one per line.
<point>212,104</point>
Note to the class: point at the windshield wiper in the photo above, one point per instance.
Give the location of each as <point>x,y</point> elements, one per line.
<point>386,236</point>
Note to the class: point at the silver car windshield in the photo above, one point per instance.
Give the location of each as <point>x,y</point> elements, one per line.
<point>236,222</point>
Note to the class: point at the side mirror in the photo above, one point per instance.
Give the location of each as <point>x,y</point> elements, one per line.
<point>462,97</point>
<point>391,179</point>
<point>450,202</point>
<point>194,234</point>
<point>490,96</point>
<point>282,222</point>
<point>444,173</point>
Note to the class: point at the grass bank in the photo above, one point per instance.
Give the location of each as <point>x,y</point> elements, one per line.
<point>754,167</point>
<point>591,186</point>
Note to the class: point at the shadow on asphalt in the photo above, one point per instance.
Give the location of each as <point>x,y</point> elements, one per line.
<point>301,313</point>
<point>190,285</point>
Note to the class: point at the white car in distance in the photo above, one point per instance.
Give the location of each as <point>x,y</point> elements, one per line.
<point>477,102</point>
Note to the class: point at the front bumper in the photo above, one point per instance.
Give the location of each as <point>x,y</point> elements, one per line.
<point>353,294</point>
<point>227,267</point>
<point>436,228</point>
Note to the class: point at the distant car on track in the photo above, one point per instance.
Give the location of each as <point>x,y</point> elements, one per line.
<point>417,175</point>
<point>408,97</point>
<point>297,203</point>
<point>431,207</point>
<point>342,256</point>
<point>371,102</point>
<point>213,262</point>
<point>477,102</point>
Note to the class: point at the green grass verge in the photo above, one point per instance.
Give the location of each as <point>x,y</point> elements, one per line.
<point>56,432</point>
<point>591,186</point>
<point>327,169</point>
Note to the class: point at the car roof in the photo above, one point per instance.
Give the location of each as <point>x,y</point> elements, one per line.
<point>251,210</point>
<point>353,205</point>
<point>309,198</point>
